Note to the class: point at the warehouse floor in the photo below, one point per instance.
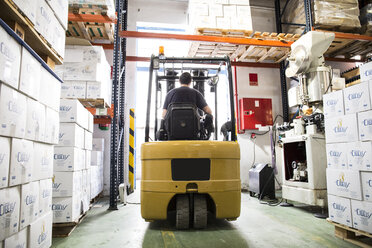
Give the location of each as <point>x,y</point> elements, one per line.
<point>258,226</point>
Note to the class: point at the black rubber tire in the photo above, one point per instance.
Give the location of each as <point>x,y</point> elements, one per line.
<point>200,212</point>
<point>182,212</point>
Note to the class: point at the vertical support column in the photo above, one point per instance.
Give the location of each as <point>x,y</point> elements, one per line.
<point>283,79</point>
<point>308,16</point>
<point>131,164</point>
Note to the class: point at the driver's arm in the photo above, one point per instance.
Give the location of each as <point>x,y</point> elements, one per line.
<point>206,109</point>
<point>164,113</point>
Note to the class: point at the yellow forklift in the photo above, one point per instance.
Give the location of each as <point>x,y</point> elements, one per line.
<point>182,169</point>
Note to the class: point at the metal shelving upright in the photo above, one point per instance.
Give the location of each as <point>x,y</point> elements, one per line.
<point>117,168</point>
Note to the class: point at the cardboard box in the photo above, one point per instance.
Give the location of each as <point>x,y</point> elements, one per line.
<point>58,37</point>
<point>97,90</point>
<point>90,122</point>
<point>200,9</point>
<point>229,11</point>
<point>344,183</point>
<point>28,8</point>
<point>216,10</point>
<point>35,125</point>
<point>73,111</point>
<point>341,129</point>
<point>4,161</point>
<point>21,161</point>
<point>239,2</point>
<point>10,199</point>
<point>333,104</point>
<point>18,240</point>
<point>29,81</point>
<point>96,158</point>
<point>71,134</point>
<point>60,9</point>
<point>50,90</point>
<point>359,155</point>
<point>367,185</point>
<point>73,89</point>
<point>356,98</point>
<point>78,54</point>
<point>66,209</point>
<point>40,232</point>
<point>243,11</point>
<point>98,144</point>
<point>86,71</point>
<point>45,196</point>
<point>43,161</point>
<point>365,125</point>
<point>29,203</point>
<point>366,72</point>
<point>12,112</point>
<point>67,183</point>
<point>10,59</point>
<point>223,22</point>
<point>339,210</point>
<point>362,215</point>
<point>88,161</point>
<point>51,126</point>
<point>88,140</point>
<point>44,16</point>
<point>68,159</point>
<point>337,155</point>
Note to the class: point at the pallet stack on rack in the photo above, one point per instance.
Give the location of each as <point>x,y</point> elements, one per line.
<point>348,129</point>
<point>29,105</point>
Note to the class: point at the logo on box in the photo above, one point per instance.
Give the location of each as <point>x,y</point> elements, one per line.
<point>43,235</point>
<point>331,102</point>
<point>61,156</point>
<point>23,157</point>
<point>354,96</point>
<point>59,207</point>
<point>7,208</point>
<point>341,182</point>
<point>340,128</point>
<point>65,108</point>
<point>338,206</point>
<point>367,122</point>
<point>357,153</point>
<point>30,199</point>
<point>363,213</point>
<point>335,153</point>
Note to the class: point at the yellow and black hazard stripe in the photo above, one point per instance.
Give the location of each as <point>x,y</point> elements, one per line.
<point>131,148</point>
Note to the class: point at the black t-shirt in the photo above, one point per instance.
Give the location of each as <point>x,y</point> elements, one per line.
<point>185,94</point>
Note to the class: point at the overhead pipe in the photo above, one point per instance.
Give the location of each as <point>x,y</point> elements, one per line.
<point>237,102</point>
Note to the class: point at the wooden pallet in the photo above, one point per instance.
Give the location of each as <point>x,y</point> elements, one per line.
<point>10,13</point>
<point>62,230</point>
<point>242,53</point>
<point>94,32</point>
<point>351,235</point>
<point>96,199</point>
<point>94,103</point>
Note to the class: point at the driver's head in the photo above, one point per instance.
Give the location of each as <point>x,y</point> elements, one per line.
<point>185,78</point>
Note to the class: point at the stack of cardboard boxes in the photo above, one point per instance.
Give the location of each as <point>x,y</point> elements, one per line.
<point>29,126</point>
<point>71,180</point>
<point>348,125</point>
<point>49,18</point>
<point>86,74</point>
<point>222,14</point>
<point>97,167</point>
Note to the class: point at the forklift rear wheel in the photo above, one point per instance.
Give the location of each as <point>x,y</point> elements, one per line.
<point>200,212</point>
<point>182,212</point>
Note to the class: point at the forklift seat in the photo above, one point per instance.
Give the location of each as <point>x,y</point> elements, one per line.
<point>182,122</point>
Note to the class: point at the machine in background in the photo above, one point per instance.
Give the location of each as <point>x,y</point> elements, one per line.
<point>262,181</point>
<point>304,152</point>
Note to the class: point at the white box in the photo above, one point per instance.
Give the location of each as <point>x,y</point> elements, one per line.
<point>73,111</point>
<point>4,161</point>
<point>29,81</point>
<point>73,89</point>
<point>333,104</point>
<point>66,209</point>
<point>78,54</point>
<point>96,158</point>
<point>223,22</point>
<point>90,122</point>
<point>10,199</point>
<point>29,203</point>
<point>97,90</point>
<point>200,9</point>
<point>98,144</point>
<point>18,240</point>
<point>366,185</point>
<point>21,161</point>
<point>51,126</point>
<point>28,7</point>
<point>365,125</point>
<point>362,215</point>
<point>242,23</point>
<point>341,129</point>
<point>10,59</point>
<point>35,125</point>
<point>44,16</point>
<point>71,134</point>
<point>88,140</point>
<point>58,37</point>
<point>221,1</point>
<point>60,9</point>
<point>366,72</point>
<point>216,10</point>
<point>45,196</point>
<point>344,183</point>
<point>40,232</point>
<point>339,210</point>
<point>12,112</point>
<point>337,155</point>
<point>67,183</point>
<point>359,155</point>
<point>356,98</point>
<point>229,11</point>
<point>243,11</point>
<point>43,161</point>
<point>88,161</point>
<point>68,159</point>
<point>86,71</point>
<point>50,90</point>
<point>239,2</point>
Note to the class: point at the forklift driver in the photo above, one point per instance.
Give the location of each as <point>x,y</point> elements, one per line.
<point>185,94</point>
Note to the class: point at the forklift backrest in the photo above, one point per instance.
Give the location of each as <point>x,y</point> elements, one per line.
<point>182,122</point>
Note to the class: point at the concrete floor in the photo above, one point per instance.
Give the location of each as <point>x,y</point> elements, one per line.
<point>258,226</point>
